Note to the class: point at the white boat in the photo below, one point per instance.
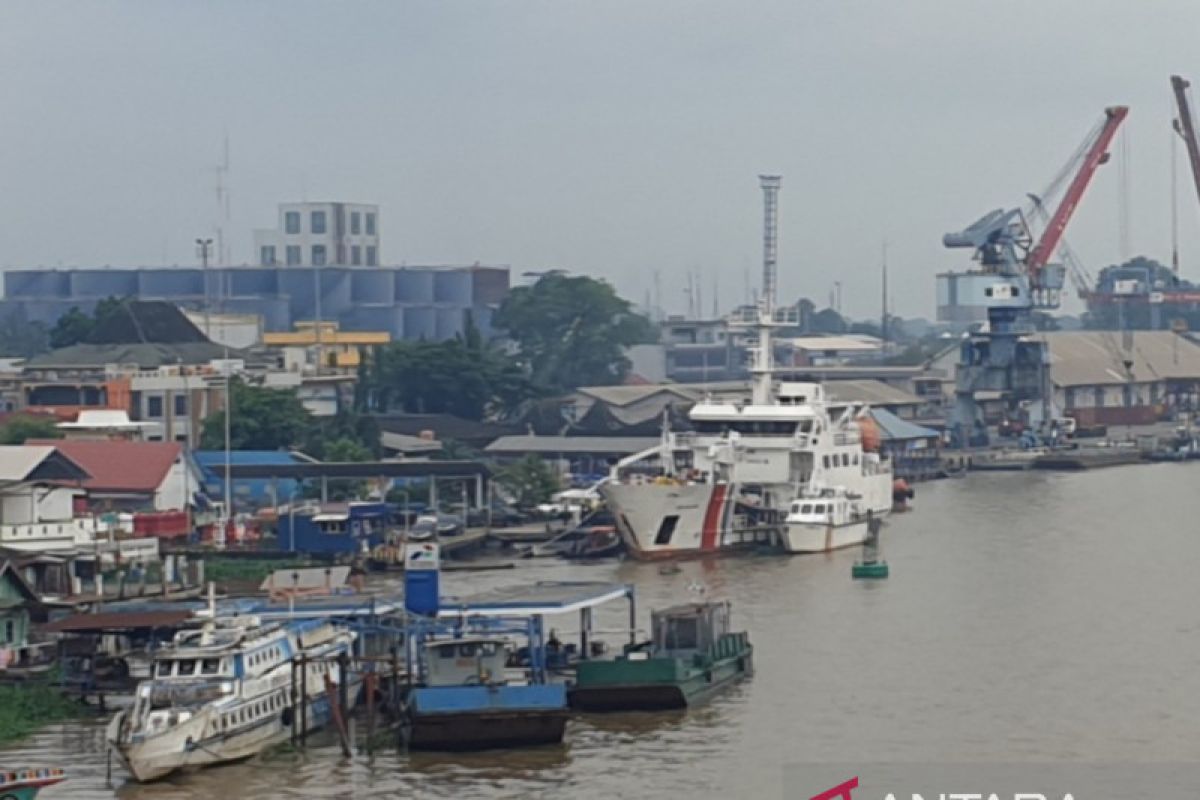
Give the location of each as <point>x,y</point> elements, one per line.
<point>824,519</point>
<point>222,693</point>
<point>730,482</point>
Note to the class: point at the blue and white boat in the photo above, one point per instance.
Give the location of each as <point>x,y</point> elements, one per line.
<point>465,700</point>
<point>223,692</point>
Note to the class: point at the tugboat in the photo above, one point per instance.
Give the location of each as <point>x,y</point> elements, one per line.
<point>222,693</point>
<point>465,702</point>
<point>24,784</point>
<point>691,656</point>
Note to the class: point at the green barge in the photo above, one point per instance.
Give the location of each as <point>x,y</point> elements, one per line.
<point>691,656</point>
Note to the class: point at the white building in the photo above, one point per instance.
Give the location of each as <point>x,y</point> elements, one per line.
<point>321,234</point>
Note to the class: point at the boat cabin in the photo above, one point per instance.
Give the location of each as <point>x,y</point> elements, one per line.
<point>826,507</point>
<point>687,629</point>
<point>463,662</point>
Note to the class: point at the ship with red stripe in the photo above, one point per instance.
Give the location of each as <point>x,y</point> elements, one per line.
<point>729,482</point>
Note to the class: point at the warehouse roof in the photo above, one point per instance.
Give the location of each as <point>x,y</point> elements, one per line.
<point>1093,358</point>
<point>895,429</point>
<point>610,445</point>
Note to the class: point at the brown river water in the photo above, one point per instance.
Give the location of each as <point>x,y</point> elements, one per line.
<point>1028,617</point>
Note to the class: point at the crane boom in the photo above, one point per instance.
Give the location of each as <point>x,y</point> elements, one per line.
<point>1185,126</point>
<point>1095,155</point>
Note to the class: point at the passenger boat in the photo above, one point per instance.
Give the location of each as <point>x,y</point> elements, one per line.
<point>692,655</point>
<point>729,483</point>
<point>824,519</point>
<point>464,701</point>
<point>222,693</point>
<point>24,784</point>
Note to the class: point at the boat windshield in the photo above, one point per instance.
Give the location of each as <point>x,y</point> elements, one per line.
<point>750,427</point>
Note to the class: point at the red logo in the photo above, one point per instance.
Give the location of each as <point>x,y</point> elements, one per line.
<point>842,790</point>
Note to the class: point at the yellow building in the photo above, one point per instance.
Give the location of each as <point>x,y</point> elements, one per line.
<point>310,345</point>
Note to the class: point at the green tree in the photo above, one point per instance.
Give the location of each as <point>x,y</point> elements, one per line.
<point>572,331</point>
<point>262,419</point>
<point>461,376</point>
<point>346,449</point>
<point>18,429</point>
<point>75,326</point>
<point>529,481</point>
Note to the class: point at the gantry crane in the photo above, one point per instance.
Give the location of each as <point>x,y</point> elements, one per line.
<point>1015,277</point>
<point>1185,126</point>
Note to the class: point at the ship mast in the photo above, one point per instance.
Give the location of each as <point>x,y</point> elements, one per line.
<point>763,358</point>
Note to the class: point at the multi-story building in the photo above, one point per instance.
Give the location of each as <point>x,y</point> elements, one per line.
<point>313,348</point>
<point>319,235</point>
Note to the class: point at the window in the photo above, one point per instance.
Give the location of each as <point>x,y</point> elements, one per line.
<point>293,255</point>
<point>370,255</point>
<point>318,255</point>
<point>370,224</point>
<point>819,509</point>
<point>355,255</point>
<point>210,666</point>
<point>807,509</point>
<point>446,652</point>
<point>683,634</point>
<point>154,407</point>
<point>10,631</point>
<point>355,222</point>
<point>187,667</point>
<point>291,222</point>
<point>825,461</point>
<point>845,459</point>
<point>666,529</point>
<point>164,669</point>
<point>267,255</point>
<point>181,405</point>
<point>317,222</point>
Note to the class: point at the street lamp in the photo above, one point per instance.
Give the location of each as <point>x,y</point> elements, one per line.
<point>203,249</point>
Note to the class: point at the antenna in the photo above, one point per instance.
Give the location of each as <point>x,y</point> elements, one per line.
<point>657,295</point>
<point>222,190</point>
<point>770,188</point>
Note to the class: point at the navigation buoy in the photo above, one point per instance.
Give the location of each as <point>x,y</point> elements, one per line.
<point>869,570</point>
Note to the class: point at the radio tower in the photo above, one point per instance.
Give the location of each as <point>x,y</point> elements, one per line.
<point>770,187</point>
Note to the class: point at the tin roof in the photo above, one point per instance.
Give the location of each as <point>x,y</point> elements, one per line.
<point>118,621</point>
<point>544,597</point>
<point>120,466</point>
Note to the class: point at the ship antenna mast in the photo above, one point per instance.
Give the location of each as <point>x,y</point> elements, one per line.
<point>765,316</point>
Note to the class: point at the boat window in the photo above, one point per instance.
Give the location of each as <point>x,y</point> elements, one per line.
<point>466,650</point>
<point>446,652</point>
<point>807,509</point>
<point>487,648</point>
<point>795,508</point>
<point>187,667</point>
<point>210,666</point>
<point>682,634</point>
<point>825,461</point>
<point>845,459</point>
<point>855,459</point>
<point>820,509</point>
<point>164,668</point>
<point>666,529</point>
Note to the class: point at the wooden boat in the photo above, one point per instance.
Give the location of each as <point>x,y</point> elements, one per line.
<point>601,541</point>
<point>24,784</point>
<point>691,656</point>
<point>465,703</point>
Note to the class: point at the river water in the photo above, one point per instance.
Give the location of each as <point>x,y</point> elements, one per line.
<point>1028,617</point>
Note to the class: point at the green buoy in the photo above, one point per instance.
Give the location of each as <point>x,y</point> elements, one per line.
<point>869,570</point>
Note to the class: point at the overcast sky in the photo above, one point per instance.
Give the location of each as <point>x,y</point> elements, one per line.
<point>614,138</point>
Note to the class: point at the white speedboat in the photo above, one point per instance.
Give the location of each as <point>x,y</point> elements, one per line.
<point>824,519</point>
<point>222,692</point>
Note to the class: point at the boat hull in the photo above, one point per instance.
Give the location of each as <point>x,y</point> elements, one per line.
<point>659,684</point>
<point>464,718</point>
<point>804,537</point>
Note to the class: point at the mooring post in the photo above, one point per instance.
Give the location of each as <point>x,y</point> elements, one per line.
<point>369,687</point>
<point>394,689</point>
<point>343,662</point>
<point>295,710</point>
<point>304,700</point>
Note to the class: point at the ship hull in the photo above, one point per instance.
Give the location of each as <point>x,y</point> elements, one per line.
<point>803,537</point>
<point>662,521</point>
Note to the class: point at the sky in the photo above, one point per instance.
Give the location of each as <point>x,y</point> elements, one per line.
<point>620,139</point>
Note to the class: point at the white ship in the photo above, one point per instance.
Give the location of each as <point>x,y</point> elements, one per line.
<point>824,519</point>
<point>222,693</point>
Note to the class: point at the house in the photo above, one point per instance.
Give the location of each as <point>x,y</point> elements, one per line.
<point>18,602</point>
<point>133,476</point>
<point>915,451</point>
<point>39,485</point>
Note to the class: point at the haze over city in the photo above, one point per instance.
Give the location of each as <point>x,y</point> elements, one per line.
<point>610,139</point>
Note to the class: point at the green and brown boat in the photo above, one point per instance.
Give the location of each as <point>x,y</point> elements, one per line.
<point>691,656</point>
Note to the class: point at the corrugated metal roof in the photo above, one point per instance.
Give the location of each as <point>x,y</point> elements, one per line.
<point>121,466</point>
<point>612,445</point>
<point>37,461</point>
<point>894,428</point>
<point>118,621</point>
<point>1094,358</point>
<point>625,395</point>
<point>870,391</point>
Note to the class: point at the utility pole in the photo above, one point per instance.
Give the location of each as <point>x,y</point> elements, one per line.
<point>203,249</point>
